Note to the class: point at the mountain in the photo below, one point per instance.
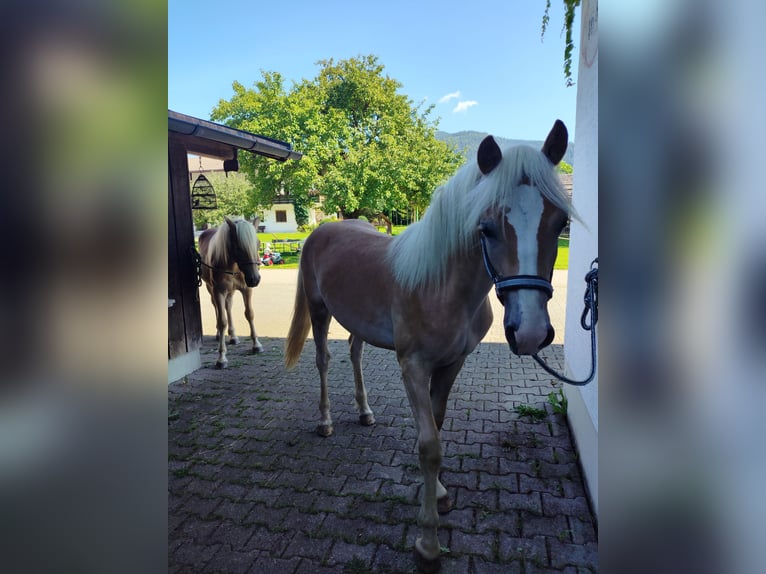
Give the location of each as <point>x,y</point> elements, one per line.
<point>468,143</point>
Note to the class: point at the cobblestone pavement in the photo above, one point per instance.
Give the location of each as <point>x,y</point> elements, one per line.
<point>252,488</point>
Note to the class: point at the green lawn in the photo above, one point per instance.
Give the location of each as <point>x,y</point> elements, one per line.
<point>291,260</point>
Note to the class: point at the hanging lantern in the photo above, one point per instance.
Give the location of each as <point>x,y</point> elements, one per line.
<point>203,194</point>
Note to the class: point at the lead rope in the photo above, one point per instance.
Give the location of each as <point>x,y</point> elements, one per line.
<point>591,308</point>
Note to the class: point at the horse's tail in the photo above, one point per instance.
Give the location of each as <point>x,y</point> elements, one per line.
<point>299,326</point>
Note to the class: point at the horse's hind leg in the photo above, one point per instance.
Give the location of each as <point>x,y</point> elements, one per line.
<point>246,296</point>
<point>320,323</point>
<point>366,417</point>
<point>233,340</point>
<point>219,302</point>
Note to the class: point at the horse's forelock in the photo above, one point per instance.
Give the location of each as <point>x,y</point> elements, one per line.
<point>218,248</point>
<point>248,238</point>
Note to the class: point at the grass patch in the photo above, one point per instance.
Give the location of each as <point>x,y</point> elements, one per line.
<point>562,258</point>
<point>291,259</point>
<point>531,412</point>
<point>559,402</point>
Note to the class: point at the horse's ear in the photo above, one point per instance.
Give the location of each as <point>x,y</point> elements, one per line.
<point>230,223</point>
<point>256,221</point>
<point>555,145</point>
<point>489,155</point>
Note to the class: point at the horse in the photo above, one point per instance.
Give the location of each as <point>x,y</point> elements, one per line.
<point>424,293</point>
<point>230,262</point>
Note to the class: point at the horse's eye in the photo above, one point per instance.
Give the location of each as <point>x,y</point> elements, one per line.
<point>487,230</point>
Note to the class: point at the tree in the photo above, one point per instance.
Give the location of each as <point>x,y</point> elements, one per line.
<point>564,167</point>
<point>367,149</point>
<point>569,13</point>
<point>234,196</point>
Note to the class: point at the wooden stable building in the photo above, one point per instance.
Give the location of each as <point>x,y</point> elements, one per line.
<point>189,135</point>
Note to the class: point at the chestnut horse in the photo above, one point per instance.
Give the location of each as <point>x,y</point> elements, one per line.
<point>230,262</point>
<point>424,293</point>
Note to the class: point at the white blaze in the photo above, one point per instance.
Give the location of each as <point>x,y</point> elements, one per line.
<point>524,216</point>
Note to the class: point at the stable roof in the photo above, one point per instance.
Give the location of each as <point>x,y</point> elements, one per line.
<point>197,129</point>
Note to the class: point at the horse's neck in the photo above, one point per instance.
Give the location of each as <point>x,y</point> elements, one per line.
<point>468,279</point>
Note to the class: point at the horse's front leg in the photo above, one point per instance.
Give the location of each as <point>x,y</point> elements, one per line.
<point>416,382</point>
<point>441,385</point>
<point>249,315</point>
<point>232,335</point>
<point>366,417</point>
<point>219,302</point>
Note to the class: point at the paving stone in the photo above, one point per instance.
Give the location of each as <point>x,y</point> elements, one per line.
<point>231,562</point>
<point>307,547</point>
<point>483,545</point>
<point>232,535</point>
<point>484,567</point>
<point>393,561</point>
<point>272,542</point>
<point>343,553</point>
<point>265,564</point>
<point>582,530</point>
<point>195,555</point>
<point>524,550</point>
<point>581,555</point>
<point>553,505</point>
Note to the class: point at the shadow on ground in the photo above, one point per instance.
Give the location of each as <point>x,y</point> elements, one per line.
<point>252,488</point>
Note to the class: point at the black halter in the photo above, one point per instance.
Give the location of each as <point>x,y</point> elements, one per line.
<point>513,281</point>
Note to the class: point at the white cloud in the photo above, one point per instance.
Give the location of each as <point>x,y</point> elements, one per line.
<point>464,105</point>
<point>446,98</point>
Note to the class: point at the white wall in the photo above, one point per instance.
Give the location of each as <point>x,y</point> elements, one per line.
<point>583,248</point>
<point>270,219</point>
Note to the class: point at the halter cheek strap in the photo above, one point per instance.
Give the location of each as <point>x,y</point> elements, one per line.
<point>513,281</point>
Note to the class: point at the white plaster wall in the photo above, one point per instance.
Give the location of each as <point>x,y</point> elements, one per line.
<point>270,219</point>
<point>583,248</point>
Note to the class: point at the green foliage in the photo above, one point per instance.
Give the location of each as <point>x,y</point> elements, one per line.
<point>366,148</point>
<point>234,196</point>
<point>531,412</point>
<point>301,213</point>
<point>559,402</point>
<point>564,167</point>
<point>569,13</point>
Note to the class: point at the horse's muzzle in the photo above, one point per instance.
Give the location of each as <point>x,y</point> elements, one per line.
<point>252,279</point>
<point>528,343</point>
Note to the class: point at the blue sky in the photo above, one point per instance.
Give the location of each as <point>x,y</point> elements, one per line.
<point>481,63</point>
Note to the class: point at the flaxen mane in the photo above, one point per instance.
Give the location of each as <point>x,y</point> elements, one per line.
<point>420,254</point>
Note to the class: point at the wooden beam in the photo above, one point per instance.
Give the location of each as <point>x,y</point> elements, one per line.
<point>204,147</point>
<point>184,317</point>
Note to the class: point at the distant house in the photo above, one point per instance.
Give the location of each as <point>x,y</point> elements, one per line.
<point>280,217</point>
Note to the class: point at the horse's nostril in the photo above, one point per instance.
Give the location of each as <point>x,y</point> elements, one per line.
<point>549,337</point>
<point>510,336</point>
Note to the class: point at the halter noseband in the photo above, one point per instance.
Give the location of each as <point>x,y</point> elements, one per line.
<point>513,281</point>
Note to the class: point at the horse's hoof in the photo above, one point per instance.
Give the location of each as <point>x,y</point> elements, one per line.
<point>425,565</point>
<point>221,365</point>
<point>234,341</point>
<point>366,420</point>
<point>444,504</point>
<point>257,349</point>
<point>325,430</point>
